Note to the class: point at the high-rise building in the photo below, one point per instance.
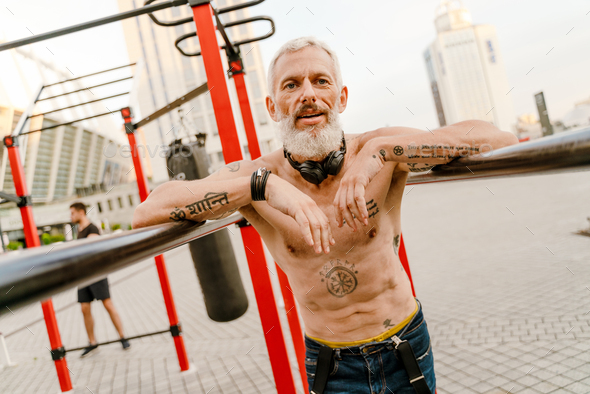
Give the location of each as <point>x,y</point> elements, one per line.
<point>466,70</point>
<point>168,75</point>
<point>80,161</point>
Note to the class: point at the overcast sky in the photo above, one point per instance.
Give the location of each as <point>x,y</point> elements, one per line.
<point>380,47</point>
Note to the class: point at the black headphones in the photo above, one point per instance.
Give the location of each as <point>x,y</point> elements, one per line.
<point>316,172</point>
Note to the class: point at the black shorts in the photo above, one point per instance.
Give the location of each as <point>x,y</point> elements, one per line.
<point>96,291</point>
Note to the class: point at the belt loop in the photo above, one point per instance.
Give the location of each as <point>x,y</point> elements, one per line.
<point>337,355</point>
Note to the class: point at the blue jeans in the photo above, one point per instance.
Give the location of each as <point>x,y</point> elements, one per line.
<point>374,367</point>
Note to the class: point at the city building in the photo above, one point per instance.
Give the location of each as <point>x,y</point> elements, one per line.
<point>168,75</point>
<point>578,117</point>
<point>83,161</point>
<point>466,70</point>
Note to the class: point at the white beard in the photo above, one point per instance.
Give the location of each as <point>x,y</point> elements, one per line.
<point>310,145</point>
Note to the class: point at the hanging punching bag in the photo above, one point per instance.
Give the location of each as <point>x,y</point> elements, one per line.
<point>213,256</point>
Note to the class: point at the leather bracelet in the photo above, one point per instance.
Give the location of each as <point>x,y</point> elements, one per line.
<point>258,184</point>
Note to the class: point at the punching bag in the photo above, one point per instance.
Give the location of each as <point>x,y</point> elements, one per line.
<point>213,256</point>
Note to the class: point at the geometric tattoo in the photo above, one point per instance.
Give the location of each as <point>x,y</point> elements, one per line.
<point>340,278</point>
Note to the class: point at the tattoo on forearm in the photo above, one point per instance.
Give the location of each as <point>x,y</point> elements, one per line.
<point>419,167</point>
<point>206,203</point>
<point>433,151</point>
<point>177,215</point>
<point>372,208</point>
<point>340,277</point>
<point>234,167</point>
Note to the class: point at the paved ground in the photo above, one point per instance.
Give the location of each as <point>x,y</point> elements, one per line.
<point>504,281</point>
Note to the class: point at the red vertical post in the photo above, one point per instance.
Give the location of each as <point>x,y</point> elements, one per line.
<point>273,334</point>
<point>246,110</point>
<point>267,308</point>
<point>32,240</point>
<point>404,260</point>
<point>237,72</point>
<point>294,325</point>
<point>144,191</point>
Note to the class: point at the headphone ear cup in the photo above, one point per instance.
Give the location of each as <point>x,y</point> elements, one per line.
<point>312,172</point>
<point>334,163</point>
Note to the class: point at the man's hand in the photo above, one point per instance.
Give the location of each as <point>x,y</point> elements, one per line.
<point>314,224</point>
<point>349,202</point>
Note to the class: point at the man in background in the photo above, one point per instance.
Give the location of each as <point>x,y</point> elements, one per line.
<point>96,291</point>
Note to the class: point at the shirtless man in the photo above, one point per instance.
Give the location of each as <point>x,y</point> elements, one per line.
<point>336,238</point>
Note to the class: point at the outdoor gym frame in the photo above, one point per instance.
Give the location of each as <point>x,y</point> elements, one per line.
<point>566,152</point>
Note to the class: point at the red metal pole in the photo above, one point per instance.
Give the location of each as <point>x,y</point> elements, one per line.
<point>294,324</point>
<point>246,111</point>
<point>237,73</point>
<point>32,240</point>
<point>275,342</point>
<point>144,191</point>
<point>404,259</point>
<point>267,308</point>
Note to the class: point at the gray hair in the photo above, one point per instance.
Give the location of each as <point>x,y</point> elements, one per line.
<point>298,44</point>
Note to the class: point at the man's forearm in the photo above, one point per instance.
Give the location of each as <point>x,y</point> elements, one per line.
<point>198,201</point>
<point>442,145</point>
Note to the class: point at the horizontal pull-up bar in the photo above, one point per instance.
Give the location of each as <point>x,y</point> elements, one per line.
<point>569,151</point>
<point>77,105</point>
<point>73,121</point>
<point>175,104</point>
<point>224,36</point>
<point>35,274</point>
<point>87,88</point>
<point>87,25</point>
<point>89,75</point>
<point>190,18</point>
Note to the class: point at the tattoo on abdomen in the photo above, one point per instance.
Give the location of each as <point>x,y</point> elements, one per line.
<point>370,206</point>
<point>340,277</point>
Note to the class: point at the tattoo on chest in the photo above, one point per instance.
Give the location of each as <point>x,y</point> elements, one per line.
<point>340,277</point>
<point>372,208</point>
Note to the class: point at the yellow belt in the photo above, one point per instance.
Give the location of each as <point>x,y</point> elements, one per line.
<point>381,337</point>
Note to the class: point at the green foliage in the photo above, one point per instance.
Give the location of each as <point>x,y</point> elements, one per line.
<point>47,238</point>
<point>115,226</point>
<point>14,245</point>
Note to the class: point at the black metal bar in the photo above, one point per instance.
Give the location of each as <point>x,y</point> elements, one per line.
<point>94,23</point>
<point>63,266</point>
<point>229,48</point>
<point>77,105</point>
<point>190,18</point>
<point>175,104</point>
<point>89,75</point>
<point>230,24</point>
<point>24,117</point>
<point>569,150</point>
<point>73,121</point>
<point>87,88</point>
<point>9,197</point>
<point>149,334</point>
